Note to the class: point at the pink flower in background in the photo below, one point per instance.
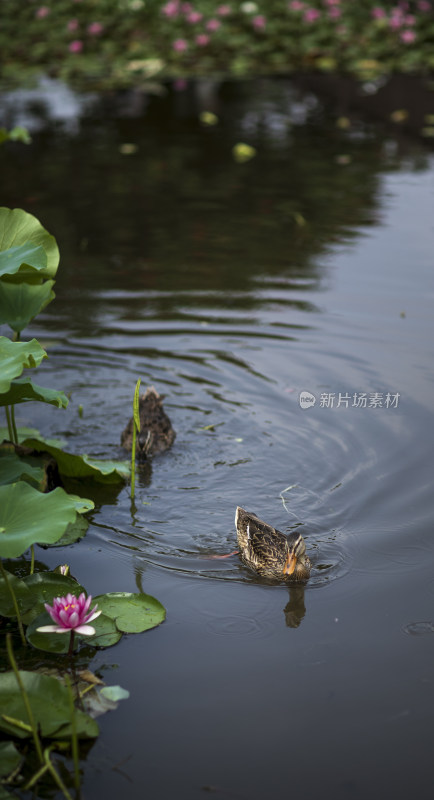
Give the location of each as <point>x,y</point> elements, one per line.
<point>332,2</point>
<point>311,15</point>
<point>296,5</point>
<point>95,28</point>
<point>180,45</point>
<point>407,36</point>
<point>423,5</point>
<point>193,17</point>
<point>334,12</point>
<point>410,20</point>
<point>180,85</point>
<point>186,8</point>
<point>202,39</point>
<point>72,25</point>
<point>76,46</point>
<point>259,22</point>
<point>42,12</point>
<point>170,9</point>
<point>213,25</point>
<point>71,613</point>
<point>378,13</point>
<point>224,11</point>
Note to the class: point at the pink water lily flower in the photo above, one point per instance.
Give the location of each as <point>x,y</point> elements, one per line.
<point>71,614</point>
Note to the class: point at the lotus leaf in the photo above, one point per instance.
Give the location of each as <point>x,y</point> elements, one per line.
<point>49,701</point>
<point>28,255</point>
<point>23,390</point>
<point>133,613</point>
<point>28,517</point>
<point>42,587</point>
<point>21,302</point>
<point>17,227</point>
<point>14,468</point>
<point>82,466</point>
<point>74,532</point>
<point>14,357</point>
<point>9,758</point>
<point>21,591</point>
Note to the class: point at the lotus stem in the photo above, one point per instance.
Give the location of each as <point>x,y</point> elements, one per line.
<point>71,644</point>
<point>136,429</point>
<point>14,427</point>
<point>15,603</point>
<point>74,737</point>
<point>56,777</point>
<point>25,698</point>
<point>9,423</point>
<point>32,561</point>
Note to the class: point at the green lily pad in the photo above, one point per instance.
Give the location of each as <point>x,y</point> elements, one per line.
<point>13,468</point>
<point>21,302</point>
<point>28,517</point>
<point>106,632</point>
<point>28,255</point>
<point>99,701</point>
<point>49,701</point>
<point>133,613</point>
<point>22,390</point>
<point>9,758</point>
<point>15,356</point>
<point>74,532</point>
<point>21,591</point>
<point>17,227</point>
<point>82,466</point>
<point>27,433</point>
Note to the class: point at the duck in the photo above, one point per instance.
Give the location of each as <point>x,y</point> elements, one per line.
<point>156,432</point>
<point>269,552</point>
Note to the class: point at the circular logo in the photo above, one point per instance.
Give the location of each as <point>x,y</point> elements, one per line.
<point>306,399</point>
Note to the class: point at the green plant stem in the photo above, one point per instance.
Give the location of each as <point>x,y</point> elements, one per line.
<point>32,561</point>
<point>9,422</point>
<point>133,462</point>
<point>14,427</point>
<point>71,645</point>
<point>74,737</point>
<point>25,698</point>
<point>53,772</point>
<point>15,603</point>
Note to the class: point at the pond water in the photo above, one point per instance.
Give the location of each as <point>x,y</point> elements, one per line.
<point>233,288</point>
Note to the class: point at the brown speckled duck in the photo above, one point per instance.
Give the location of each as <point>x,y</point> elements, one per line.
<point>156,432</point>
<point>269,552</point>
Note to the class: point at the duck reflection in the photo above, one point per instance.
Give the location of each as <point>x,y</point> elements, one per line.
<point>295,609</point>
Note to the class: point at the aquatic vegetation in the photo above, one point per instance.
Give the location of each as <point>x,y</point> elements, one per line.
<point>199,38</point>
<point>36,509</point>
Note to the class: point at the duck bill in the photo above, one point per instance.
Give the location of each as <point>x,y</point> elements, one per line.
<point>290,564</point>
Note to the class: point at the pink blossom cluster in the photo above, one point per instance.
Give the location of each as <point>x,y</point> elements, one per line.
<point>175,9</point>
<point>399,20</point>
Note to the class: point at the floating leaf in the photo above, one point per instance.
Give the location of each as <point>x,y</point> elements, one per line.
<point>28,517</point>
<point>133,613</point>
<point>74,532</point>
<point>107,634</point>
<point>13,468</point>
<point>243,152</point>
<point>27,433</point>
<point>22,390</point>
<point>100,701</point>
<point>43,587</point>
<point>82,466</point>
<point>30,256</point>
<point>21,592</point>
<point>15,356</point>
<point>21,302</point>
<point>9,758</point>
<point>17,227</point>
<point>49,701</point>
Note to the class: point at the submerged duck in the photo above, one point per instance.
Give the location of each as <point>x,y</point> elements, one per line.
<point>156,432</point>
<point>269,552</point>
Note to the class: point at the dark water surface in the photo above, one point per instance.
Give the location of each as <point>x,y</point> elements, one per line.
<point>233,288</point>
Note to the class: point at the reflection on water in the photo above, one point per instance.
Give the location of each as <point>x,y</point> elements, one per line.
<point>235,288</point>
